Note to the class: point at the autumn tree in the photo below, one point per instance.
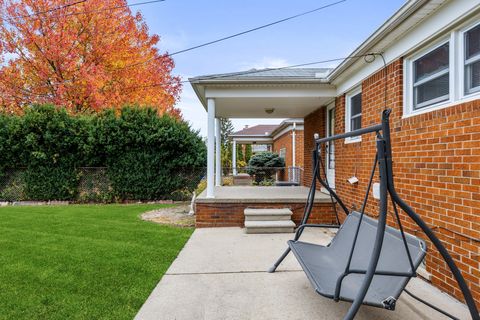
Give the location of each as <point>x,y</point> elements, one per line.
<point>85,55</point>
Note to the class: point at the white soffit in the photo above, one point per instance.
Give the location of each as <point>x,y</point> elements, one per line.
<point>428,23</point>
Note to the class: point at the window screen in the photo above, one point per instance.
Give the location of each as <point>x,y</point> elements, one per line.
<point>472,60</point>
<point>356,112</point>
<point>431,77</point>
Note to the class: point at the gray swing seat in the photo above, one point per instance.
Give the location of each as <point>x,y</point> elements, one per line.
<point>324,265</point>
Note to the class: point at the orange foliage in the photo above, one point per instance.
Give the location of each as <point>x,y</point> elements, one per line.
<point>83,55</point>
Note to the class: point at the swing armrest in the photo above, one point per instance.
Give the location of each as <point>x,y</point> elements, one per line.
<point>314,225</point>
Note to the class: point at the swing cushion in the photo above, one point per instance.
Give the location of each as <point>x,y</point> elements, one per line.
<point>324,265</point>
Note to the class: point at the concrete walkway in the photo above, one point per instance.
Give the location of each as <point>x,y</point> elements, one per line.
<point>220,274</point>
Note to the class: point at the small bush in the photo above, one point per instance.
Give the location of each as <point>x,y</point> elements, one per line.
<point>262,166</point>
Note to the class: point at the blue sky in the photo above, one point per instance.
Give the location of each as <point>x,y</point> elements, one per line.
<point>330,33</point>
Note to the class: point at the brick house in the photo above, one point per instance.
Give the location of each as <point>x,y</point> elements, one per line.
<point>431,81</point>
<point>286,139</point>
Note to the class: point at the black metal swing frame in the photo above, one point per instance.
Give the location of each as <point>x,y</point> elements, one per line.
<point>383,159</point>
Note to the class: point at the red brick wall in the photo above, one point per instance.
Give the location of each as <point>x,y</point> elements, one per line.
<point>436,166</point>
<point>231,214</point>
<point>285,141</point>
<point>313,123</point>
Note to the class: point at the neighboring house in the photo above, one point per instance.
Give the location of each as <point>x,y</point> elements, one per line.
<point>432,84</point>
<point>259,137</point>
<point>285,139</point>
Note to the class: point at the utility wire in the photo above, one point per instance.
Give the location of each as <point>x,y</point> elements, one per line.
<point>37,13</point>
<point>54,9</point>
<point>238,34</point>
<point>372,56</point>
<point>115,8</point>
<point>257,28</point>
<point>84,12</point>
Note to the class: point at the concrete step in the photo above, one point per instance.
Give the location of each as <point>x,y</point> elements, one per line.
<point>269,226</point>
<point>266,214</point>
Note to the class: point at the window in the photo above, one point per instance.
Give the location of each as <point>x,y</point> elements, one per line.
<point>282,153</point>
<point>353,119</point>
<point>444,73</point>
<point>431,77</point>
<point>472,60</point>
<point>356,112</point>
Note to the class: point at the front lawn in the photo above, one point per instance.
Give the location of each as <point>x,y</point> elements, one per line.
<point>81,262</point>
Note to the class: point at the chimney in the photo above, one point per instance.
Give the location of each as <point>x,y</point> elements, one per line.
<point>246,126</point>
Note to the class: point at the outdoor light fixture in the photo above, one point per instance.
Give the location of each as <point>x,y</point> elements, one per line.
<point>269,110</point>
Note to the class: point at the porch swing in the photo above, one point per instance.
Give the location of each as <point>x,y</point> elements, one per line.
<point>367,262</point>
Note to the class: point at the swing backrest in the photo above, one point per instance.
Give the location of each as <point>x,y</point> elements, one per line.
<point>393,257</point>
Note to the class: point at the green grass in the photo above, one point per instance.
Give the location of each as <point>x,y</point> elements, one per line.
<point>81,262</point>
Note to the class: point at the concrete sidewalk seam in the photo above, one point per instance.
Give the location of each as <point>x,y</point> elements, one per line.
<point>226,272</point>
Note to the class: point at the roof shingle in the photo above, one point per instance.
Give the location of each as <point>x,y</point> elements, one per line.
<point>258,130</point>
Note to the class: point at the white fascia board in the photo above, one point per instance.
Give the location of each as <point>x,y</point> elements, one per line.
<point>441,21</point>
<point>398,17</point>
<point>200,92</point>
<point>251,139</point>
<point>270,92</point>
<point>286,130</point>
<point>288,122</point>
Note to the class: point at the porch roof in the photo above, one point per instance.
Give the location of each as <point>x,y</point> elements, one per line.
<point>266,93</point>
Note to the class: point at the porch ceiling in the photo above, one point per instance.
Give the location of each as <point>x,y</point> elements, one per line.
<point>245,107</point>
<point>251,100</point>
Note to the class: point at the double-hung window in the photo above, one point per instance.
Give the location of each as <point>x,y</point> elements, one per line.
<point>355,111</point>
<point>353,119</point>
<point>472,60</point>
<point>431,77</point>
<point>444,73</point>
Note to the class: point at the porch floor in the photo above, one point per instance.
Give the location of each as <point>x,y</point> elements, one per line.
<point>257,194</point>
<point>221,274</point>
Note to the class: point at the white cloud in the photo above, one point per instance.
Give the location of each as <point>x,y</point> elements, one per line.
<point>174,42</point>
<point>265,62</point>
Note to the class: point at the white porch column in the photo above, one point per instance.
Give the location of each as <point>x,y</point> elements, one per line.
<point>218,153</point>
<point>210,148</point>
<point>234,157</point>
<point>294,155</point>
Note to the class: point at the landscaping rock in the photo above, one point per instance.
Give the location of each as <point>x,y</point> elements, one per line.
<point>176,216</point>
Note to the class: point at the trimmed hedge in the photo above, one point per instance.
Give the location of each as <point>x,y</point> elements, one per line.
<point>149,157</point>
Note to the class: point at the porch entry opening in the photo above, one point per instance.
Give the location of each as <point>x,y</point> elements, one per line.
<point>330,146</point>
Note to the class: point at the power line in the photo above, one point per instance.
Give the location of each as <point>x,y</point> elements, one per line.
<point>114,8</point>
<point>37,13</point>
<point>54,9</point>
<point>241,73</point>
<point>238,34</point>
<point>257,28</point>
<point>84,12</point>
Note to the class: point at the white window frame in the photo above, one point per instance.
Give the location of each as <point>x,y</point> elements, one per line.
<point>409,84</point>
<point>461,65</point>
<point>284,151</point>
<point>348,119</point>
<point>457,53</point>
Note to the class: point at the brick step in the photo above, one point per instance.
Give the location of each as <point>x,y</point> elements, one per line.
<point>267,214</point>
<point>286,226</point>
